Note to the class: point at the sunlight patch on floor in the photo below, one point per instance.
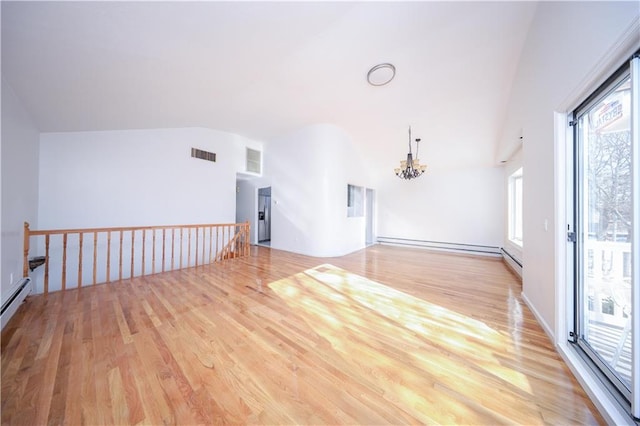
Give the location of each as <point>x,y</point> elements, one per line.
<point>406,344</point>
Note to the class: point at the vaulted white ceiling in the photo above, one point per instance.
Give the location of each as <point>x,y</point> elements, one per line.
<point>262,69</point>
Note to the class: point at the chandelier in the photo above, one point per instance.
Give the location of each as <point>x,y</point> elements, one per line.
<point>411,168</point>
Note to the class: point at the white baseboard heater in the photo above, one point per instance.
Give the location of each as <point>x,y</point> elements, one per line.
<point>13,303</point>
<point>513,262</point>
<point>444,246</point>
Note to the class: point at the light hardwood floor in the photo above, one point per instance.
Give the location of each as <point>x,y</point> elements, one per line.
<point>386,335</point>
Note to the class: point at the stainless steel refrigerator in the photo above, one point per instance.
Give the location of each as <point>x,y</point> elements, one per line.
<point>264,216</point>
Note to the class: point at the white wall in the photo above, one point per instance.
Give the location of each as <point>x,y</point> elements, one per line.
<point>19,185</point>
<point>566,41</point>
<point>309,171</point>
<point>133,178</point>
<point>464,206</point>
<point>137,177</point>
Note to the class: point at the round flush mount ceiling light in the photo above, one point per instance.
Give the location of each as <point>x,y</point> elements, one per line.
<point>381,74</point>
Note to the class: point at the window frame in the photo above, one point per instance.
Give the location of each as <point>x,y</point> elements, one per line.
<point>628,398</point>
<point>515,209</point>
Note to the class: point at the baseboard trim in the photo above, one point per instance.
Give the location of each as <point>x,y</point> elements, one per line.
<point>12,304</point>
<point>539,318</point>
<point>512,262</point>
<point>608,406</point>
<point>475,249</point>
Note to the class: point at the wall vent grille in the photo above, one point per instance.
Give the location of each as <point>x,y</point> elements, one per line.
<point>254,161</point>
<point>203,155</point>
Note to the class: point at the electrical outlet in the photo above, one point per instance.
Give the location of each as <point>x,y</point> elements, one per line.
<point>11,278</point>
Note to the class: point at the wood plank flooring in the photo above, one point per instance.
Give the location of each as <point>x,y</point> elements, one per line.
<point>386,335</point>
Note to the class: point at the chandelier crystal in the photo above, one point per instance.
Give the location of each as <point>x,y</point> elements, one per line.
<point>410,168</point>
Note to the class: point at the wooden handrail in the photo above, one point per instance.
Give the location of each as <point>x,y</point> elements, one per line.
<point>125,228</point>
<point>142,258</point>
<point>226,250</point>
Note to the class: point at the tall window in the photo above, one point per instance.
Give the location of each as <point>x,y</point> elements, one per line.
<point>606,211</point>
<point>515,207</point>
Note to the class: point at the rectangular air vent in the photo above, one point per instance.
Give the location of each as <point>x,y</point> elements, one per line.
<point>203,155</point>
<point>254,161</point>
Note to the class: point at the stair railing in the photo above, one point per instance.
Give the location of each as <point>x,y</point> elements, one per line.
<point>89,256</point>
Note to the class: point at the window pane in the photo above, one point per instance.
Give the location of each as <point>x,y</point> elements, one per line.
<point>605,215</point>
<point>515,207</point>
